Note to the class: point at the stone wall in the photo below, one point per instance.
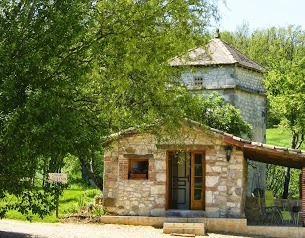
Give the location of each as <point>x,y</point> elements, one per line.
<point>134,197</point>
<point>225,184</point>
<point>213,77</point>
<point>225,181</point>
<point>249,80</point>
<point>240,87</point>
<point>253,110</point>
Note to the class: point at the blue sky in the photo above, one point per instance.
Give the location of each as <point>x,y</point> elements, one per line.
<point>261,13</point>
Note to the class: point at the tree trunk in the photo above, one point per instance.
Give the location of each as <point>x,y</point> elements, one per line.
<point>287,172</point>
<point>286,183</point>
<point>88,168</point>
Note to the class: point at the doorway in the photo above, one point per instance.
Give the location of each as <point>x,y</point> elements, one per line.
<point>186,180</point>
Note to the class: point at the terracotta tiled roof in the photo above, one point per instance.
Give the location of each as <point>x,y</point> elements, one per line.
<point>216,52</point>
<point>265,153</point>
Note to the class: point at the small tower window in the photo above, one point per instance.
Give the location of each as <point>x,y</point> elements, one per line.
<point>198,80</point>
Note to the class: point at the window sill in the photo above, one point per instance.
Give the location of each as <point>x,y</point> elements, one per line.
<point>138,176</point>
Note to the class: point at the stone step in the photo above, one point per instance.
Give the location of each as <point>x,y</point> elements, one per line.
<point>184,228</point>
<point>185,213</point>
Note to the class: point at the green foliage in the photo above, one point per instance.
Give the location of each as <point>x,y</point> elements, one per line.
<point>83,200</point>
<point>285,85</point>
<point>39,75</point>
<point>93,193</point>
<point>87,197</point>
<point>98,211</point>
<point>281,51</point>
<point>73,72</point>
<point>73,167</point>
<point>30,201</point>
<point>275,178</point>
<point>214,112</point>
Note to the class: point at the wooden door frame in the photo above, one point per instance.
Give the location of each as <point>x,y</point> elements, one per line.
<point>203,172</point>
<point>195,205</point>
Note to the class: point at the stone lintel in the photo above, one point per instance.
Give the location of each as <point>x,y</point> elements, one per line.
<point>187,147</point>
<point>137,156</point>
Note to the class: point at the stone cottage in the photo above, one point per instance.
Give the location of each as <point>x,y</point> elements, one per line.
<point>144,175</point>
<point>196,172</point>
<point>220,67</point>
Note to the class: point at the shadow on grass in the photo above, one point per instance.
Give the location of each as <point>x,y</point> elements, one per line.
<point>70,200</point>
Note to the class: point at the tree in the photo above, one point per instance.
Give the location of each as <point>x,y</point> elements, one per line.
<point>214,112</point>
<point>73,72</point>
<point>287,102</point>
<point>284,84</point>
<point>281,51</point>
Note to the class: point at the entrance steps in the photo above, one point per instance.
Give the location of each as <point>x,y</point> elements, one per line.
<point>184,228</point>
<point>185,213</point>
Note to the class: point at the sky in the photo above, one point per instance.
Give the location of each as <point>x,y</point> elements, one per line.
<point>261,13</point>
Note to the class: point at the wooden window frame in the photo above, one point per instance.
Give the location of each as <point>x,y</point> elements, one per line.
<point>137,176</point>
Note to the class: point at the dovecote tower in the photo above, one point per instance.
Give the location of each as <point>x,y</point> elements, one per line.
<point>220,67</point>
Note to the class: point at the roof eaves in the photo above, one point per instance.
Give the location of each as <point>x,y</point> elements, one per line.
<point>250,68</point>
<point>241,59</point>
<point>262,145</point>
<point>217,131</point>
<point>112,137</point>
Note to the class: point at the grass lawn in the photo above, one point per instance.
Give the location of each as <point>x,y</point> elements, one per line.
<point>276,136</point>
<point>73,200</point>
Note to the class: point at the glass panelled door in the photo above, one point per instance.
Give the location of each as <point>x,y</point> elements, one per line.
<point>179,180</point>
<point>186,180</point>
<point>197,181</point>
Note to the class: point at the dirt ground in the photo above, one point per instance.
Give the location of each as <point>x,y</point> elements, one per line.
<point>18,229</point>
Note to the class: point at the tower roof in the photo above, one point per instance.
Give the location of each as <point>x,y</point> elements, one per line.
<point>216,52</point>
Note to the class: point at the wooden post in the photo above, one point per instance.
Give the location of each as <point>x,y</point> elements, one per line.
<point>303,196</point>
<point>56,199</point>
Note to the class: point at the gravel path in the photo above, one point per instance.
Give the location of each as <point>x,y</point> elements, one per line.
<point>18,229</point>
